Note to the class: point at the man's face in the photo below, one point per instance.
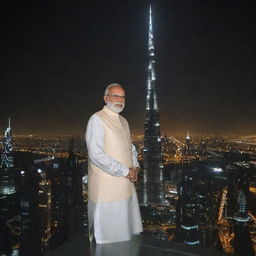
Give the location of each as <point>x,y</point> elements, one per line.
<point>115,100</point>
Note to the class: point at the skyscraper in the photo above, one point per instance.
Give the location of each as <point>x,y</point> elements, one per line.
<point>9,207</point>
<point>153,189</point>
<point>187,213</point>
<point>242,240</point>
<point>7,186</point>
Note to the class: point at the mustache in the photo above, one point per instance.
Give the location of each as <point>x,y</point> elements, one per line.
<point>118,103</point>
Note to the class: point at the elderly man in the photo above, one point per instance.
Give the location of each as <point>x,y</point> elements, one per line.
<point>113,209</point>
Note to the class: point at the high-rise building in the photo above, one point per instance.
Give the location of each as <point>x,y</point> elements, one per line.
<point>153,188</point>
<point>187,213</point>
<point>8,196</point>
<point>76,207</point>
<point>242,241</point>
<point>67,204</point>
<point>30,210</point>
<point>7,181</point>
<point>189,148</point>
<point>231,190</point>
<point>44,205</point>
<point>7,186</point>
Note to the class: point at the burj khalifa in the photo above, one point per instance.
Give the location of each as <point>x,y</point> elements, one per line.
<point>153,188</point>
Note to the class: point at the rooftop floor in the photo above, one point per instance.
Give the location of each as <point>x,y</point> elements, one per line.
<point>138,246</point>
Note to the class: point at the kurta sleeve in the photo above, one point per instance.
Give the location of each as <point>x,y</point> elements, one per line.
<point>135,157</point>
<point>94,137</point>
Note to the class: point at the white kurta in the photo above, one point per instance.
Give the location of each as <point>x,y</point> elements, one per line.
<point>117,220</point>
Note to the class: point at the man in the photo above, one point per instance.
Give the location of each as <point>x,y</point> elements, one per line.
<point>113,209</point>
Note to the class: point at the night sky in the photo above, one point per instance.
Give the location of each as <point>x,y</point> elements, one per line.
<point>58,57</point>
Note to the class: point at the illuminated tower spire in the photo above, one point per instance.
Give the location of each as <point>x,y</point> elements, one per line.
<point>6,180</point>
<point>153,168</point>
<point>6,159</point>
<point>188,137</point>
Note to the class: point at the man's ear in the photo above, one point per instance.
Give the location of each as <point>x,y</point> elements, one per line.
<point>105,99</point>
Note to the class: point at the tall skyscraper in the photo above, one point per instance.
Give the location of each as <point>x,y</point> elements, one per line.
<point>153,189</point>
<point>189,148</point>
<point>9,207</point>
<point>187,213</point>
<point>242,241</point>
<point>7,186</point>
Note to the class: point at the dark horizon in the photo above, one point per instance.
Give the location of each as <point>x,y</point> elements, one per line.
<point>55,56</point>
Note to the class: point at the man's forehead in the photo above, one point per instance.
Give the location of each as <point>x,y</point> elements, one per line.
<point>117,89</point>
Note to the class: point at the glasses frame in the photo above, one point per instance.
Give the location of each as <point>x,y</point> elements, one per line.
<point>122,97</point>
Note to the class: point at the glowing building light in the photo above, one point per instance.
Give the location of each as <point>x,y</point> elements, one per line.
<point>217,169</point>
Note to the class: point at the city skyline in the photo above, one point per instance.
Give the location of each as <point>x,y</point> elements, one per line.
<point>208,187</point>
<point>54,55</point>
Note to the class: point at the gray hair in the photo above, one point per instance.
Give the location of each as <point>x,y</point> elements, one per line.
<point>110,86</point>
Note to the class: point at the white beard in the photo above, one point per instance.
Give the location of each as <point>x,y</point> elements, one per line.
<point>116,106</point>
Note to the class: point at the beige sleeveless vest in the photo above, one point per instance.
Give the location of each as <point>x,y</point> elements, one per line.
<point>103,187</point>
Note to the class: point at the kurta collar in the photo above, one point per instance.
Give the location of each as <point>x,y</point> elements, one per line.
<point>110,112</point>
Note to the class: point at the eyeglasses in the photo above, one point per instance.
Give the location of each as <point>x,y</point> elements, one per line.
<point>117,96</point>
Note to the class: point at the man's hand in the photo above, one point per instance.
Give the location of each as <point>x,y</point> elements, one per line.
<point>133,174</point>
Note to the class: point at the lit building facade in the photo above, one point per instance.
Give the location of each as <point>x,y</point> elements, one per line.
<point>153,188</point>
<point>187,211</point>
<point>7,186</point>
<point>9,207</point>
<point>242,241</point>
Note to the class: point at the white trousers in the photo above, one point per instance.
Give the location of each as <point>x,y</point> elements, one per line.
<point>115,221</point>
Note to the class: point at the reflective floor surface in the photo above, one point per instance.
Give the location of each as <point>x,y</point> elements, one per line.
<point>138,246</point>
